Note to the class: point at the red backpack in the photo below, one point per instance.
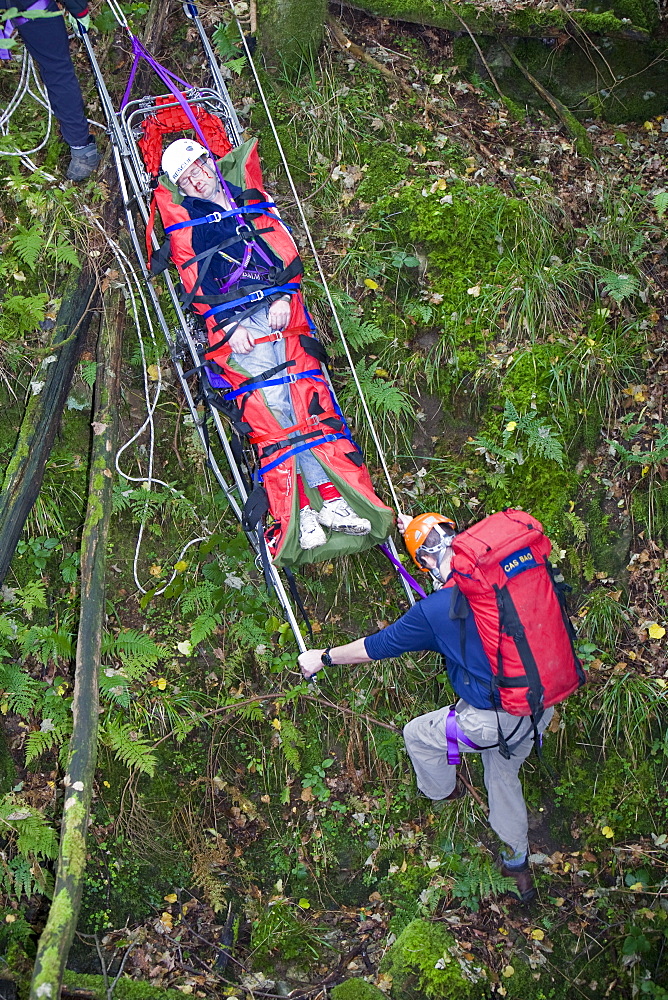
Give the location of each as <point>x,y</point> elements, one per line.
<point>501,566</point>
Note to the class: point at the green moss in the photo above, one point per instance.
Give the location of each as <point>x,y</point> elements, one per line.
<point>644,13</point>
<point>7,766</point>
<point>650,509</point>
<point>290,31</point>
<point>357,989</point>
<point>386,168</point>
<point>484,20</point>
<point>425,962</point>
<point>125,989</point>
<point>581,80</point>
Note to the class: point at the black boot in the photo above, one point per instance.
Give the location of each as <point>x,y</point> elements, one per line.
<point>84,161</point>
<point>526,890</point>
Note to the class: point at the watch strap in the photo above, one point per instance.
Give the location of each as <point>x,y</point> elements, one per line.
<point>326,658</point>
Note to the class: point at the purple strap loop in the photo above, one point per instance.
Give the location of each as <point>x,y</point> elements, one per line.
<point>455,735</point>
<point>7,28</point>
<point>411,581</point>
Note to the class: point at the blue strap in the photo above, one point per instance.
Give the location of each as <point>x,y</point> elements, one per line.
<point>219,216</point>
<point>252,386</point>
<point>301,447</point>
<point>256,296</point>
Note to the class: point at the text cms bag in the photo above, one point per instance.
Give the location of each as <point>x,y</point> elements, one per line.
<point>501,566</point>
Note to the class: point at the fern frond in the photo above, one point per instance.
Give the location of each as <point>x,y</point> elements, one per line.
<point>619,286</point>
<point>115,687</point>
<point>89,372</point>
<point>32,595</point>
<point>41,740</point>
<point>21,692</point>
<point>137,651</point>
<point>128,748</point>
<point>47,643</point>
<point>577,524</point>
<point>33,836</point>
<point>661,203</point>
<point>198,598</point>
<point>203,626</point>
<point>28,243</point>
<point>64,252</point>
<point>292,741</point>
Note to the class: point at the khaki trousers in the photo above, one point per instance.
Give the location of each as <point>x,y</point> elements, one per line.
<point>427,748</point>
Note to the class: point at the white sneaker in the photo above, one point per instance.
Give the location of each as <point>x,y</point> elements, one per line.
<point>339,516</point>
<point>311,534</point>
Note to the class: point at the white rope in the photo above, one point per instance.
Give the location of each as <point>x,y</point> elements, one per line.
<point>119,14</point>
<point>321,272</point>
<point>39,95</point>
<point>131,279</point>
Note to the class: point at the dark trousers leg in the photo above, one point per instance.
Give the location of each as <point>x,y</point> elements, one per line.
<point>46,41</point>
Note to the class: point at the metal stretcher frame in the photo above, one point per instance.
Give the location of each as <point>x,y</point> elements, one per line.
<point>124,130</point>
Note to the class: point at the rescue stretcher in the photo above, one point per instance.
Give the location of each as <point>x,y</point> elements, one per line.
<point>256,451</point>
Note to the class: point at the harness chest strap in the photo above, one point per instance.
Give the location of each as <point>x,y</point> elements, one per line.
<point>256,209</point>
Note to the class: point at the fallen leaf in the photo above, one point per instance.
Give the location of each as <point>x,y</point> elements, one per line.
<point>170,898</point>
<point>474,291</point>
<point>537,934</point>
<point>98,428</point>
<point>656,631</point>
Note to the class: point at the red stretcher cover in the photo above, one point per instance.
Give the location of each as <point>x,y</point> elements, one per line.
<point>340,458</point>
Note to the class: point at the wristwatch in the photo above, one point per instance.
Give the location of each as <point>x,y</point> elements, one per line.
<point>326,658</point>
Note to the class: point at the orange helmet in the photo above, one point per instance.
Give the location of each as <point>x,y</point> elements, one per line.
<point>416,533</point>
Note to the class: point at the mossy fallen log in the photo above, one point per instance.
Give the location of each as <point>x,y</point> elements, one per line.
<point>54,944</point>
<point>578,132</point>
<point>634,19</point>
<point>25,472</point>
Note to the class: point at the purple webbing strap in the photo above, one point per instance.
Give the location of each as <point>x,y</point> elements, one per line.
<point>7,29</point>
<point>402,572</point>
<point>455,735</point>
<point>141,52</point>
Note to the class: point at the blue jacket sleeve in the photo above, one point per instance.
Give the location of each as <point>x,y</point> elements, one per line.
<point>79,8</point>
<point>410,633</point>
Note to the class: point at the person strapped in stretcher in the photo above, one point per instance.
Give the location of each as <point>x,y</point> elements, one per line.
<point>241,271</point>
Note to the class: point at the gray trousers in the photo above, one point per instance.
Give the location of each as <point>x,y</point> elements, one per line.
<point>262,358</point>
<point>427,748</point>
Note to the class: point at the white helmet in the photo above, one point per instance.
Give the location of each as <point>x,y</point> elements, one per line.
<point>179,155</point>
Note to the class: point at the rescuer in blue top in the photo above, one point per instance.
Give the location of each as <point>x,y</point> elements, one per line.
<point>45,38</point>
<point>434,740</point>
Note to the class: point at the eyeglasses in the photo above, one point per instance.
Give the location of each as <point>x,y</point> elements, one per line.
<point>198,169</point>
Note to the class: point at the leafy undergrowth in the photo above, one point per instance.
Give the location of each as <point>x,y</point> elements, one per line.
<point>504,300</point>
